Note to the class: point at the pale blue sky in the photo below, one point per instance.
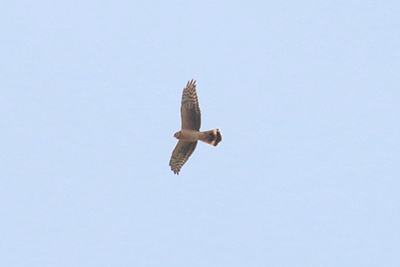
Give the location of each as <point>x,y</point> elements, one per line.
<point>306,93</point>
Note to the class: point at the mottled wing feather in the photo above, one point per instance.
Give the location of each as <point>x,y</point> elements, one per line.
<point>181,154</point>
<point>190,110</point>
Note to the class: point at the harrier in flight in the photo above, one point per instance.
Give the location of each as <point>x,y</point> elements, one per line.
<point>190,132</point>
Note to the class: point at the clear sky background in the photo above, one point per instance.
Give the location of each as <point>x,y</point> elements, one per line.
<point>306,93</point>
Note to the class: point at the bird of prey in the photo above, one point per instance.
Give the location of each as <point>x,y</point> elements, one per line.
<point>190,132</point>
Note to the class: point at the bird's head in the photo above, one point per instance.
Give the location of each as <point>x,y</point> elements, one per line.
<point>177,134</point>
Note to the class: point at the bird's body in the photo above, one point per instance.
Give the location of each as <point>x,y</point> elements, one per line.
<point>190,132</point>
<point>212,137</point>
<point>188,135</point>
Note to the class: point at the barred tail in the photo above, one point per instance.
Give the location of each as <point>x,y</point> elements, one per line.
<point>212,137</point>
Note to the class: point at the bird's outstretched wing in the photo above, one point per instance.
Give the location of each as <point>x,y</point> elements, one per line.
<point>181,154</point>
<point>190,110</point>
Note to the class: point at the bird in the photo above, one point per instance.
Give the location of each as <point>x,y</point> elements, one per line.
<point>190,129</point>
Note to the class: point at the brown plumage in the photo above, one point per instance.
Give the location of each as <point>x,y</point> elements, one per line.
<point>190,132</point>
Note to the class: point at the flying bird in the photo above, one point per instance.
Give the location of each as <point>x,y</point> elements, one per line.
<point>190,132</point>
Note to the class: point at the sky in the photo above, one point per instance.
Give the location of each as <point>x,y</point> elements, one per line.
<point>306,94</point>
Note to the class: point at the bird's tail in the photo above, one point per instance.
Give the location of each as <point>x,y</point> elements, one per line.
<point>212,137</point>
